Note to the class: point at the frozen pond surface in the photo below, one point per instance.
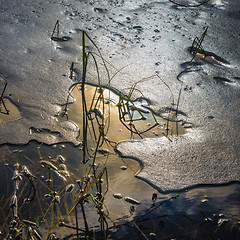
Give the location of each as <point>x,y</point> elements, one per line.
<point>142,38</point>
<point>147,38</point>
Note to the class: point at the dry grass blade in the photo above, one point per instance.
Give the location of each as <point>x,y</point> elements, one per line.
<point>71,71</point>
<point>97,106</point>
<point>56,28</point>
<point>85,194</point>
<point>1,99</point>
<point>198,42</point>
<point>103,60</point>
<point>127,107</point>
<point>178,101</point>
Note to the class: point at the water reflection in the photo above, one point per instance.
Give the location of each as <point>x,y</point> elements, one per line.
<point>58,175</point>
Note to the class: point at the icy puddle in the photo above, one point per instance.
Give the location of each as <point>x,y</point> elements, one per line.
<point>123,119</point>
<point>45,188</point>
<point>42,182</point>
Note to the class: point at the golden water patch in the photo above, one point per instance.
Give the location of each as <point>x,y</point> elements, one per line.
<point>143,119</point>
<point>12,114</point>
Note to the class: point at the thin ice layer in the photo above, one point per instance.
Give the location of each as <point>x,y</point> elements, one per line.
<point>147,38</point>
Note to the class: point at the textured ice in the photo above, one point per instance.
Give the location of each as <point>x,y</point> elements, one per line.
<point>147,38</point>
<point>187,161</point>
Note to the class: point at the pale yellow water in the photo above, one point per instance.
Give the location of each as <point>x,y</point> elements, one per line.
<point>115,129</point>
<point>13,114</point>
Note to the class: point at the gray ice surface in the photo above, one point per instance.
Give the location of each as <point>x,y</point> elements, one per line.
<point>147,38</point>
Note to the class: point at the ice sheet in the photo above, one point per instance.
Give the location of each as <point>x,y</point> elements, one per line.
<point>147,38</point>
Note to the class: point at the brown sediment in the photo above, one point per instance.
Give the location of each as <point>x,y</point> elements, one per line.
<point>12,114</point>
